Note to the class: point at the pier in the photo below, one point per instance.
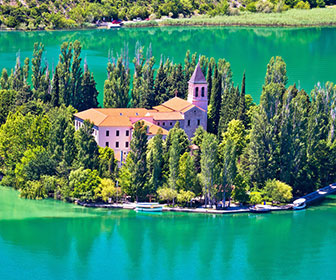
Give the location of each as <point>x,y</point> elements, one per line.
<point>320,194</point>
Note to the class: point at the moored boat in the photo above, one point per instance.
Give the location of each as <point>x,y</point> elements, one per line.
<point>299,204</point>
<point>148,207</point>
<point>260,209</point>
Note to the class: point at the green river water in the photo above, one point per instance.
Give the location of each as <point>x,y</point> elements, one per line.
<point>55,240</point>
<point>309,52</point>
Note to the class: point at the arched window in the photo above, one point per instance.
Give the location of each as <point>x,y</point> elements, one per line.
<point>196,94</point>
<point>202,92</point>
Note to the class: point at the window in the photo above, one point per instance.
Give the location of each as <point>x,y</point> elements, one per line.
<point>188,122</point>
<point>202,92</point>
<point>107,144</point>
<point>158,123</point>
<point>127,132</point>
<point>198,122</point>
<point>196,94</point>
<point>163,123</point>
<point>117,133</point>
<point>126,144</point>
<point>171,124</point>
<point>107,133</point>
<point>117,144</point>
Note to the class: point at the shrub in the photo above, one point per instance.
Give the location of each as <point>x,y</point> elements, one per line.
<point>152,17</point>
<point>277,191</point>
<point>320,3</point>
<point>255,197</point>
<point>11,22</point>
<point>264,6</point>
<point>167,194</point>
<point>34,190</point>
<point>185,197</point>
<point>302,5</point>
<point>251,7</point>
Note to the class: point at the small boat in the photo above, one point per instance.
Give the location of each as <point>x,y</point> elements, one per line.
<point>148,207</point>
<point>260,209</point>
<point>299,204</point>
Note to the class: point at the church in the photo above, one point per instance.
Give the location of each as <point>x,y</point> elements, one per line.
<point>113,126</point>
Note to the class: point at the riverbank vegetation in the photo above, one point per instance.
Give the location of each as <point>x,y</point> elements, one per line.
<point>291,17</point>
<point>55,14</point>
<point>281,148</point>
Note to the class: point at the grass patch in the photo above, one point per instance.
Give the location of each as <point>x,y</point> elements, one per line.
<point>293,17</point>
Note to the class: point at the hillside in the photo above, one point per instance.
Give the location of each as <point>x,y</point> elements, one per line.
<point>61,14</point>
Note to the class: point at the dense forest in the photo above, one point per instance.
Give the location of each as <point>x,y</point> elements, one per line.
<point>281,148</point>
<point>57,14</point>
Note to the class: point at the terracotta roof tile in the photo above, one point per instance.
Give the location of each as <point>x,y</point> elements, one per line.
<point>161,108</point>
<point>164,116</point>
<point>111,116</point>
<point>153,128</point>
<point>176,104</point>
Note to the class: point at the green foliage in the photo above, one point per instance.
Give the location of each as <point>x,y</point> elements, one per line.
<point>87,147</point>
<point>167,194</point>
<point>155,161</point>
<point>264,6</point>
<point>187,176</point>
<point>133,175</point>
<point>239,192</point>
<point>117,85</point>
<point>251,7</point>
<point>209,170</point>
<point>185,197</point>
<point>277,191</point>
<point>302,5</point>
<point>7,101</point>
<point>34,190</point>
<point>106,191</point>
<point>33,165</point>
<point>107,162</point>
<point>255,197</point>
<point>83,183</point>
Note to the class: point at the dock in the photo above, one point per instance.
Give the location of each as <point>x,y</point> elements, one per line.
<point>320,194</point>
<point>310,198</point>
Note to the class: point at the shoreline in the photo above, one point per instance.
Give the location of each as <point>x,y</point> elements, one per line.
<point>231,210</point>
<point>317,17</point>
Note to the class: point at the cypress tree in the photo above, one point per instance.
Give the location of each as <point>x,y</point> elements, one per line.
<point>4,82</point>
<point>215,103</point>
<point>242,114</point>
<point>65,92</point>
<point>209,77</point>
<point>138,166</point>
<point>209,159</point>
<point>76,76</point>
<point>70,149</point>
<point>174,156</point>
<point>55,90</point>
<point>155,162</point>
<point>89,92</point>
<point>87,147</point>
<point>116,87</point>
<point>187,177</point>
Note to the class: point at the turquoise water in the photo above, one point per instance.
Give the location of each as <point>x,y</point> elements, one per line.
<point>55,240</point>
<point>309,52</point>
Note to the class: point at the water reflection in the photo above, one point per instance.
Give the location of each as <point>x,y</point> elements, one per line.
<point>309,52</point>
<point>130,245</point>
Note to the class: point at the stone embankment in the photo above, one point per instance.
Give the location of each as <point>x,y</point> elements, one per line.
<point>131,206</point>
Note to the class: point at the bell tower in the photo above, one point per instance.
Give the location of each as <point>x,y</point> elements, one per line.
<point>198,89</point>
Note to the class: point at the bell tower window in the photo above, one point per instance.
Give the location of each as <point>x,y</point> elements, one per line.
<point>196,93</point>
<point>202,92</point>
